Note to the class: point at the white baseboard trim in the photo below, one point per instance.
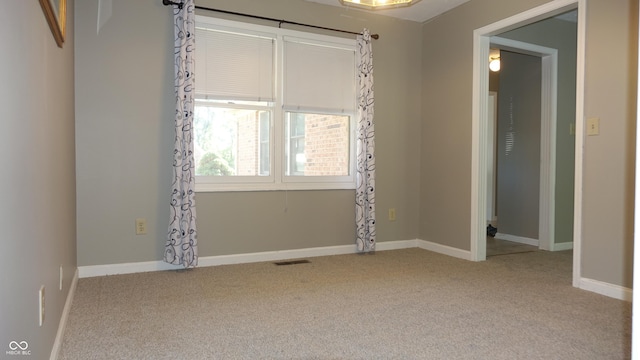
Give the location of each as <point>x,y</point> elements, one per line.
<point>57,344</point>
<point>518,239</point>
<point>147,266</point>
<point>277,255</point>
<point>562,246</point>
<point>396,245</point>
<point>125,268</point>
<point>606,289</point>
<point>444,249</point>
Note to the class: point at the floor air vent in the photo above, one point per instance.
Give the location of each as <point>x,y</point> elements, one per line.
<point>292,262</point>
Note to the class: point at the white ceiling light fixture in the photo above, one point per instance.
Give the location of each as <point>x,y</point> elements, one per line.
<point>378,4</point>
<point>494,64</point>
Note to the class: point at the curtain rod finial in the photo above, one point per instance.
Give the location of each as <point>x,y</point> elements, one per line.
<point>375,36</point>
<point>169,2</point>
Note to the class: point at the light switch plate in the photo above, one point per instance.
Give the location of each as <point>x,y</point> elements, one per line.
<point>593,126</point>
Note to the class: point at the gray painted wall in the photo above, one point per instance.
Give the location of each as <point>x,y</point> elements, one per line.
<point>124,120</point>
<point>610,90</point>
<point>518,145</point>
<point>124,140</point>
<point>560,35</point>
<point>38,214</point>
<point>609,159</point>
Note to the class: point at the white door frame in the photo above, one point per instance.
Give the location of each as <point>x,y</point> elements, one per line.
<point>635,325</point>
<point>548,115</point>
<point>492,123</point>
<point>481,41</point>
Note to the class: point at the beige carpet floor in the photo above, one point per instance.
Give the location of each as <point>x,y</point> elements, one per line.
<point>400,304</point>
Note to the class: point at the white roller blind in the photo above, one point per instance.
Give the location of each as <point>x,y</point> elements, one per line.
<point>318,77</point>
<point>247,62</point>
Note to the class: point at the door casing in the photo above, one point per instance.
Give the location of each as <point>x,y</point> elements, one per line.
<point>481,44</point>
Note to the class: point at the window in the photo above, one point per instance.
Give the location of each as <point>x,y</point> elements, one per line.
<point>274,108</point>
<point>264,144</point>
<point>295,153</point>
<point>317,144</point>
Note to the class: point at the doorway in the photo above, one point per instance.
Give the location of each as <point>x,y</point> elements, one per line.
<point>516,154</point>
<point>525,146</point>
<point>482,40</point>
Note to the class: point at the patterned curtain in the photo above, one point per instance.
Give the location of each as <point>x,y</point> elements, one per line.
<point>365,161</point>
<point>182,245</point>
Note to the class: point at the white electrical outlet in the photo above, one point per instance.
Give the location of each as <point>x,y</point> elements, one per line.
<point>392,214</point>
<point>41,305</point>
<point>61,276</point>
<point>141,226</point>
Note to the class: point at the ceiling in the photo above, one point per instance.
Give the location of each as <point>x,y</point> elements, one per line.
<point>420,12</point>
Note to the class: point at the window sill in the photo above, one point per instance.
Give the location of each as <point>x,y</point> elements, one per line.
<point>209,187</point>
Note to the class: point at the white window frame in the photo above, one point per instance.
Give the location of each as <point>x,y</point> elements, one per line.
<point>277,180</point>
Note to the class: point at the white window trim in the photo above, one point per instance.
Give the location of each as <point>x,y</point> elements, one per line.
<point>277,180</point>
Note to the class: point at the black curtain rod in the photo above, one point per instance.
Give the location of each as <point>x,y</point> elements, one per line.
<point>179,5</point>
